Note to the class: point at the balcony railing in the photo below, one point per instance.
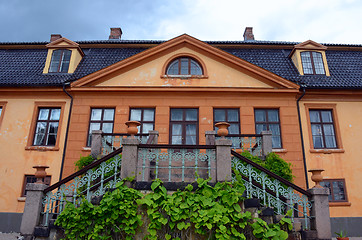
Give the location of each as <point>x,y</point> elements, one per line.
<point>113,141</point>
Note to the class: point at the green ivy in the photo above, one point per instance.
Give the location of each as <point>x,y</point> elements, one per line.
<point>211,212</point>
<point>83,161</point>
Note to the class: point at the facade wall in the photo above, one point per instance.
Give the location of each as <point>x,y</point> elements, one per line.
<point>203,100</point>
<point>345,161</point>
<point>17,155</point>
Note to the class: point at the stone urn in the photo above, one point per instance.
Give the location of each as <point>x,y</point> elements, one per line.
<point>317,177</point>
<point>132,128</point>
<point>222,129</point>
<point>40,173</point>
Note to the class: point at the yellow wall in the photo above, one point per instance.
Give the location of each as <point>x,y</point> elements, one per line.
<point>342,163</point>
<point>149,74</point>
<point>15,160</point>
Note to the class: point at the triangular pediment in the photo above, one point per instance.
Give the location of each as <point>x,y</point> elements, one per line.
<point>62,42</point>
<point>308,45</point>
<point>146,69</point>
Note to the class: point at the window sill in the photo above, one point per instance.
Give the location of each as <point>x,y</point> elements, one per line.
<point>86,149</point>
<point>326,151</point>
<point>339,204</point>
<point>184,76</point>
<point>42,148</point>
<point>21,199</point>
<point>280,150</point>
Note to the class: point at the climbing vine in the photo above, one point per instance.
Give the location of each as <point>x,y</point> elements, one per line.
<point>206,212</point>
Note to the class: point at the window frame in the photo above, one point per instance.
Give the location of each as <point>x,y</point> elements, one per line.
<point>60,61</point>
<point>183,124</point>
<point>267,123</point>
<point>47,121</point>
<point>46,180</point>
<point>331,189</point>
<point>3,107</point>
<point>184,55</point>
<point>332,107</point>
<point>179,67</point>
<point>226,118</point>
<point>142,115</point>
<point>37,106</point>
<point>313,63</point>
<point>88,140</point>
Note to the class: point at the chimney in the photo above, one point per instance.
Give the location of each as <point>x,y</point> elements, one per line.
<point>54,37</point>
<point>248,34</point>
<point>116,33</point>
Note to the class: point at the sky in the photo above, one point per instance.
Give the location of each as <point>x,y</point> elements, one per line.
<point>323,21</point>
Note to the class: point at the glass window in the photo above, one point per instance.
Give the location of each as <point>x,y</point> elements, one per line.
<point>46,128</point>
<point>100,119</point>
<point>60,61</point>
<point>323,133</point>
<point>184,66</point>
<point>229,115</point>
<point>312,63</point>
<point>1,108</point>
<point>146,116</point>
<point>268,120</point>
<point>32,179</point>
<point>337,189</point>
<point>184,126</point>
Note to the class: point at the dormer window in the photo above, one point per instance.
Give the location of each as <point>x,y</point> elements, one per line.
<point>312,63</point>
<point>60,61</point>
<point>184,66</point>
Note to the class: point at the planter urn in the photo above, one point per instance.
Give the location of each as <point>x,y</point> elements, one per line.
<point>132,128</point>
<point>40,173</point>
<point>222,129</point>
<point>317,177</point>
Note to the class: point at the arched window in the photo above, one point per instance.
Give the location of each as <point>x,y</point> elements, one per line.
<point>312,63</point>
<point>184,66</point>
<point>60,61</point>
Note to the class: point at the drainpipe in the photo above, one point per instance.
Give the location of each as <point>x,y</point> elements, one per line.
<point>301,136</point>
<point>66,132</point>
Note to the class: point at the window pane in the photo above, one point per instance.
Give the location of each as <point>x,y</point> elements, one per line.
<point>314,116</point>
<point>338,191</point>
<point>53,127</point>
<point>107,127</point>
<point>184,66</point>
<point>176,129</point>
<point>136,114</point>
<point>43,114</point>
<point>176,114</point>
<point>316,129</point>
<point>306,62</point>
<point>108,114</point>
<point>219,115</point>
<point>276,142</point>
<point>51,140</point>
<point>318,142</point>
<point>318,63</point>
<point>148,115</point>
<point>40,127</point>
<point>330,142</point>
<point>328,129</point>
<point>96,115</point>
<point>233,115</point>
<point>55,114</point>
<point>176,140</point>
<point>191,115</point>
<point>274,128</point>
<point>273,116</point>
<point>191,140</point>
<point>260,116</point>
<point>1,110</point>
<point>173,68</point>
<point>39,139</point>
<point>94,126</point>
<point>147,127</point>
<point>326,116</point>
<point>234,128</point>
<point>195,69</point>
<point>260,128</point>
<point>190,129</point>
<point>55,61</point>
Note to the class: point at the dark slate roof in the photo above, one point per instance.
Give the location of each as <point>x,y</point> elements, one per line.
<point>24,67</point>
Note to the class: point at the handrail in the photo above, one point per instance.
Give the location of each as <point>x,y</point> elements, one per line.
<point>124,134</point>
<point>286,182</point>
<point>83,170</point>
<point>173,146</point>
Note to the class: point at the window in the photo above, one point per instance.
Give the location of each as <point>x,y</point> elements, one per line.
<point>337,189</point>
<point>32,179</point>
<point>184,126</point>
<point>47,124</point>
<point>323,132</point>
<point>268,120</point>
<point>146,116</point>
<point>60,61</point>
<point>184,66</point>
<point>312,63</point>
<point>228,115</point>
<point>100,119</point>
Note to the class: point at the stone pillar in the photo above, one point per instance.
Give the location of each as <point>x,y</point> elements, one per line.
<point>153,134</point>
<point>210,137</point>
<point>266,142</point>
<point>129,157</point>
<point>96,145</point>
<point>32,209</point>
<point>320,211</point>
<point>223,159</point>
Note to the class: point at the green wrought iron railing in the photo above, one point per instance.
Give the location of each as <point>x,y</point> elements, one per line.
<point>113,141</point>
<point>247,142</point>
<point>176,163</point>
<point>272,190</point>
<point>93,180</point>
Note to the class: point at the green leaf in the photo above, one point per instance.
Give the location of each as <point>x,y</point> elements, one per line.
<point>168,236</point>
<point>180,225</point>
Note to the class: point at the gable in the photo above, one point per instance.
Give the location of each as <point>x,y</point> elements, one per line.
<point>148,69</point>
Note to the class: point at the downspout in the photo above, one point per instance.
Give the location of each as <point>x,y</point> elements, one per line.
<point>67,131</point>
<point>301,136</point>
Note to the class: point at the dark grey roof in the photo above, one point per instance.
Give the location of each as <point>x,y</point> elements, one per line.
<point>24,67</point>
